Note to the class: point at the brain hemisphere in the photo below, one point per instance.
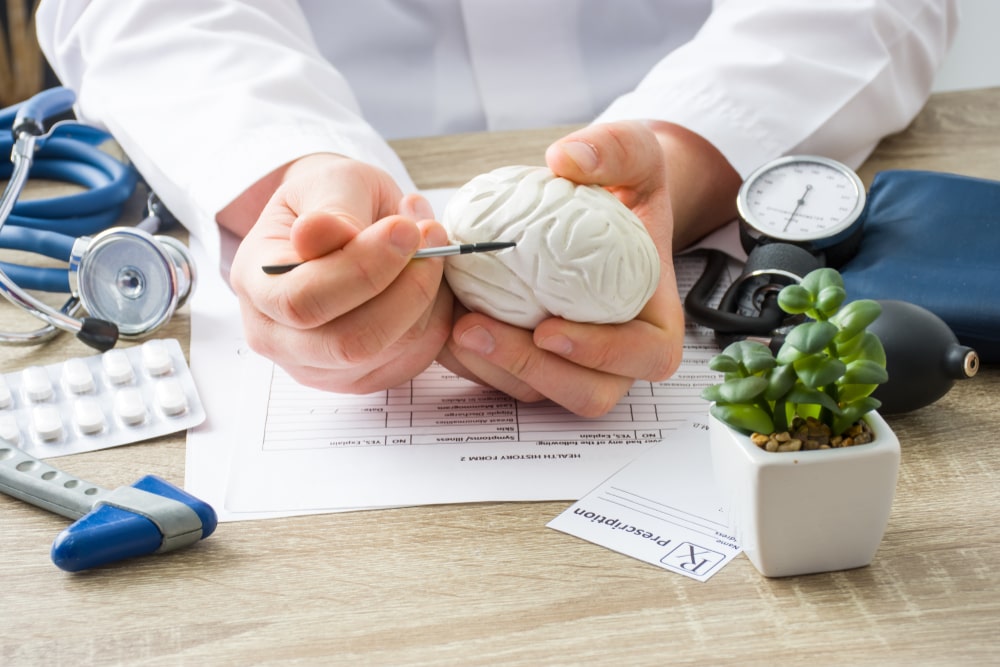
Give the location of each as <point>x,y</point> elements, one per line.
<point>580,254</point>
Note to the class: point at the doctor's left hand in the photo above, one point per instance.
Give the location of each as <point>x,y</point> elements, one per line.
<point>588,368</point>
<point>358,315</point>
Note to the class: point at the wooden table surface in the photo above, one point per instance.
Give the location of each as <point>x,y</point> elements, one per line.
<point>489,583</point>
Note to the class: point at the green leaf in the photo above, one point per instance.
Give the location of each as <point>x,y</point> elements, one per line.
<point>779,382</point>
<point>818,280</point>
<point>795,299</point>
<point>861,378</point>
<point>811,337</point>
<point>855,317</point>
<point>852,392</point>
<point>724,363</point>
<point>852,412</point>
<point>846,347</point>
<point>829,300</point>
<point>746,418</point>
<point>818,372</point>
<point>753,355</point>
<point>806,396</point>
<point>864,346</point>
<point>789,354</point>
<point>712,393</point>
<point>864,371</point>
<point>742,390</point>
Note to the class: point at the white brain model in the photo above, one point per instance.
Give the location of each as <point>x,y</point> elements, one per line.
<point>581,254</point>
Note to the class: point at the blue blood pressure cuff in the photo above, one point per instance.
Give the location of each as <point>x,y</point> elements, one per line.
<point>933,239</point>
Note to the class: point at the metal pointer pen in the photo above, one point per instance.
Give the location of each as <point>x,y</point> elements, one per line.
<point>440,251</point>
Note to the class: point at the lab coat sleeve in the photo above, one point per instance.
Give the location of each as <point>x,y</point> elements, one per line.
<point>206,96</point>
<point>763,78</point>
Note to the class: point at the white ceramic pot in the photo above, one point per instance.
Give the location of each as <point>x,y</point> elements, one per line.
<point>808,511</point>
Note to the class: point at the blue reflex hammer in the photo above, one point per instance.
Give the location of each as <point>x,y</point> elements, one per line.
<point>151,516</point>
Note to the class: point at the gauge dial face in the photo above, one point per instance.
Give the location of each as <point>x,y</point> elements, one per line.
<point>801,198</point>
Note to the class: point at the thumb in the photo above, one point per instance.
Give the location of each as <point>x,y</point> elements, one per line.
<point>319,233</point>
<point>333,198</point>
<point>622,154</point>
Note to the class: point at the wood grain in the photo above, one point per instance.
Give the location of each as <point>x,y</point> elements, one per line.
<point>489,583</point>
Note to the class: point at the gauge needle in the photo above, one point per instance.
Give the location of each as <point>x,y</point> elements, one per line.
<point>799,203</point>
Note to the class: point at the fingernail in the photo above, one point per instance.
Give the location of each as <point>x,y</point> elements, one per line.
<point>405,238</point>
<point>435,236</point>
<point>416,207</point>
<point>557,343</point>
<point>478,340</point>
<point>583,154</point>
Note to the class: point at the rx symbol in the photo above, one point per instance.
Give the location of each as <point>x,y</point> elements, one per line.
<point>692,558</point>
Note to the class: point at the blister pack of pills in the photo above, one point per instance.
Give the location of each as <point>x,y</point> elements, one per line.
<point>118,397</point>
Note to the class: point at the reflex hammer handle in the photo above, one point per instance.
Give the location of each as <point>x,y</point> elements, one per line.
<point>34,481</point>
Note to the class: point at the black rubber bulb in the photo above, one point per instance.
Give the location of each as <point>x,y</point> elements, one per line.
<point>923,357</point>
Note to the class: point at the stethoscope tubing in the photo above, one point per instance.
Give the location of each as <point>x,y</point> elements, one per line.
<point>40,279</point>
<point>108,184</point>
<point>38,241</point>
<point>29,116</point>
<point>41,242</point>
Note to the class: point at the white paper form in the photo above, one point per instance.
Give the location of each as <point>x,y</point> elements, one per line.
<point>441,439</point>
<point>218,354</point>
<point>662,508</point>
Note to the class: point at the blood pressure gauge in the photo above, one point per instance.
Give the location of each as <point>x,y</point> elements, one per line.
<point>804,200</point>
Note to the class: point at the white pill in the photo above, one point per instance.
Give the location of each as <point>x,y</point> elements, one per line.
<point>47,422</point>
<point>36,383</point>
<point>88,415</point>
<point>156,359</point>
<point>9,432</point>
<point>6,399</point>
<point>77,377</point>
<point>129,406</point>
<point>170,397</point>
<point>117,366</point>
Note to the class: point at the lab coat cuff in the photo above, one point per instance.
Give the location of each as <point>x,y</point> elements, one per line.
<point>732,127</point>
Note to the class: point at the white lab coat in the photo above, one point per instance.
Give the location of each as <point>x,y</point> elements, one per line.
<point>207,96</point>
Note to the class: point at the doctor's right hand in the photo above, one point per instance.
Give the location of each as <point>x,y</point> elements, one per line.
<point>357,315</point>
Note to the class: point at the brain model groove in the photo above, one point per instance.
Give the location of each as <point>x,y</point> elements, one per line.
<point>581,254</point>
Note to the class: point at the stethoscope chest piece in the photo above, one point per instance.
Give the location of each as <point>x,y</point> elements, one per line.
<point>130,277</point>
<point>129,281</point>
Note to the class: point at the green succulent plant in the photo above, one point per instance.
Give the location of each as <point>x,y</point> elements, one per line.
<point>827,366</point>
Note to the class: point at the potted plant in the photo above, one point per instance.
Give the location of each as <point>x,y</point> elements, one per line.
<point>807,465</point>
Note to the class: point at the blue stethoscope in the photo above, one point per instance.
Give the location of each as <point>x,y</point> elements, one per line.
<point>127,279</point>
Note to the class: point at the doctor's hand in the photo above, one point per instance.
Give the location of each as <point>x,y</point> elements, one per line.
<point>357,315</point>
<point>588,368</point>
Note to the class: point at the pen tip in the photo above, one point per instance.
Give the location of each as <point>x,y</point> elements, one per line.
<point>276,269</point>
